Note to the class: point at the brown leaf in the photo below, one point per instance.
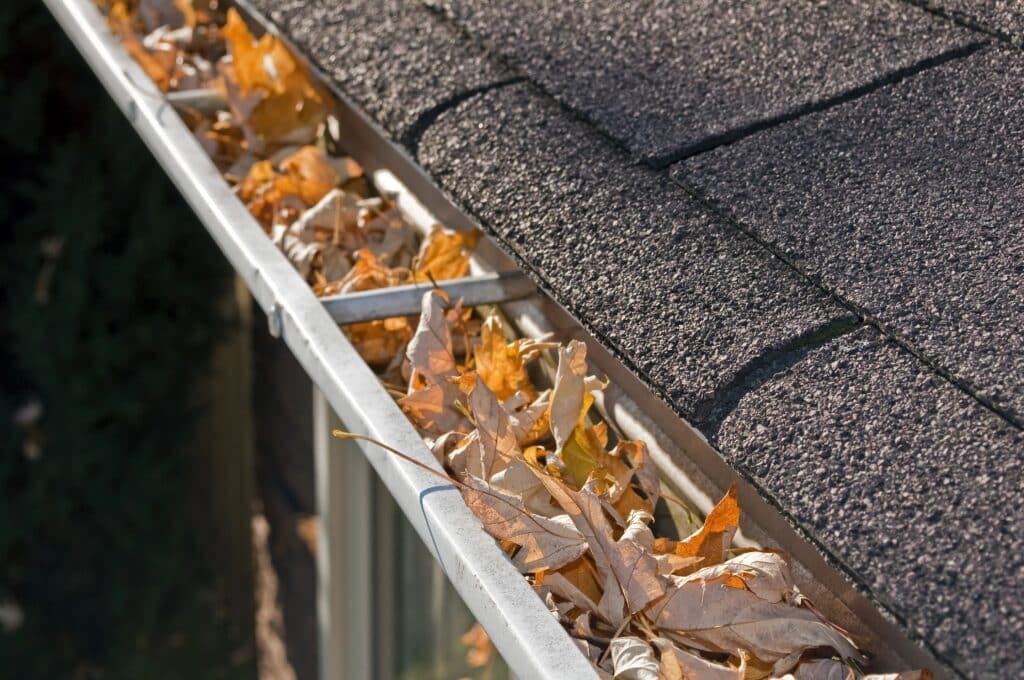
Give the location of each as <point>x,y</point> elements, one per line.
<point>712,540</point>
<point>628,572</point>
<point>430,401</point>
<point>500,364</point>
<point>723,609</point>
<point>269,90</point>
<point>547,543</point>
<point>677,664</point>
<point>567,397</point>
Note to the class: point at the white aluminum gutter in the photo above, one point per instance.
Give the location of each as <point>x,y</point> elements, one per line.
<point>527,636</point>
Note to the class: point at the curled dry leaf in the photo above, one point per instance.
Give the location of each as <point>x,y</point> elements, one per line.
<point>433,394</point>
<point>633,659</point>
<point>628,573</point>
<point>269,90</point>
<point>729,611</point>
<point>546,543</point>
<point>501,364</point>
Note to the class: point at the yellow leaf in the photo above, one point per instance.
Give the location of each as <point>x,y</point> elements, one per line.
<point>500,364</point>
<point>444,255</point>
<point>269,89</point>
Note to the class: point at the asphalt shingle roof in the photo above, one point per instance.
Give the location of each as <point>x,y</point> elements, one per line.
<point>396,59</point>
<point>829,285</point>
<point>1003,17</point>
<point>684,297</point>
<point>666,76</point>
<point>908,202</point>
<point>913,483</point>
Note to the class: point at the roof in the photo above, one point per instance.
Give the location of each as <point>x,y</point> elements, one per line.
<point>802,224</point>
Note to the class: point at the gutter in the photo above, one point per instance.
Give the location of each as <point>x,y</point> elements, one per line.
<point>530,640</point>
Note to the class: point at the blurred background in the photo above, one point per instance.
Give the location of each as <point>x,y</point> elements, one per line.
<point>114,305</point>
<point>157,504</point>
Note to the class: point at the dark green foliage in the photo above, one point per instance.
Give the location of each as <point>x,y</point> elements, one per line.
<point>94,542</point>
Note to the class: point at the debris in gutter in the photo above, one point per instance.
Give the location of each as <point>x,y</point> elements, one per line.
<point>571,506</point>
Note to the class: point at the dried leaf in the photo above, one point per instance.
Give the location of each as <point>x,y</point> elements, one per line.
<point>432,395</point>
<point>822,669</point>
<point>633,659</point>
<point>269,90</point>
<point>720,609</point>
<point>547,543</point>
<point>481,649</point>
<point>712,540</point>
<point>500,364</point>
<point>567,396</point>
<point>445,254</point>
<point>677,664</point>
<point>627,572</point>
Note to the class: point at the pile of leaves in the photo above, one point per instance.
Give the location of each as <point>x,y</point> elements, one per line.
<point>575,515</point>
<point>267,125</point>
<point>573,509</point>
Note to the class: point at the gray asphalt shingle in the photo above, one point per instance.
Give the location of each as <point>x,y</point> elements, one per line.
<point>1003,17</point>
<point>910,482</point>
<point>684,297</point>
<point>664,76</point>
<point>909,202</point>
<point>396,58</point>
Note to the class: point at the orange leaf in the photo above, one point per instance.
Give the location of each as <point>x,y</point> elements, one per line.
<point>444,255</point>
<point>712,540</point>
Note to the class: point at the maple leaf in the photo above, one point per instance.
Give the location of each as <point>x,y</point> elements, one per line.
<point>500,364</point>
<point>432,395</point>
<point>627,572</point>
<point>547,543</point>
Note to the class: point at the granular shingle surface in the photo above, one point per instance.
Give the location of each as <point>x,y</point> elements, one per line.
<point>684,297</point>
<point>1003,17</point>
<point>665,76</point>
<point>914,485</point>
<point>396,58</point>
<point>909,202</point>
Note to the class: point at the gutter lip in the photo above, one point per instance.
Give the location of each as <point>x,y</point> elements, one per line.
<point>531,641</point>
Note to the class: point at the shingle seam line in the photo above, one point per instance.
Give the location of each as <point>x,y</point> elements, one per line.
<point>855,308</point>
<point>713,412</point>
<point>736,134</point>
<point>414,133</point>
<point>965,20</point>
